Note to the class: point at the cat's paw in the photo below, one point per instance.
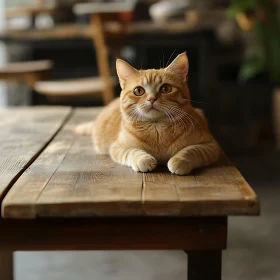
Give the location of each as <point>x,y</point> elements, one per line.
<point>179,166</point>
<point>144,164</point>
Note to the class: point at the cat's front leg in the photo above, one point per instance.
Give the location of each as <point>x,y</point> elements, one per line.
<point>194,156</point>
<point>137,159</point>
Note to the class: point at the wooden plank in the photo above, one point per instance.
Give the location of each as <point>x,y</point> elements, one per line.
<point>69,179</point>
<point>24,133</point>
<point>134,233</point>
<point>160,193</point>
<point>216,190</point>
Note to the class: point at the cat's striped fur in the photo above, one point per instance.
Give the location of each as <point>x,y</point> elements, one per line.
<point>158,127</point>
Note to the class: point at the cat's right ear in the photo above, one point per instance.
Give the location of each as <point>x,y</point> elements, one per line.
<point>125,71</point>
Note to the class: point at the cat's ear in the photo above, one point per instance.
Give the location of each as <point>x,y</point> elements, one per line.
<point>180,66</point>
<point>125,71</point>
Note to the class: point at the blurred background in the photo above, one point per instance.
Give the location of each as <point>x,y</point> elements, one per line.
<point>62,52</point>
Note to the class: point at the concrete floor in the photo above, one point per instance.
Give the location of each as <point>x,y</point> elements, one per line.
<point>253,248</point>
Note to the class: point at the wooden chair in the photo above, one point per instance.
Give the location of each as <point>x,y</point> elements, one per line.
<point>27,71</point>
<point>99,13</point>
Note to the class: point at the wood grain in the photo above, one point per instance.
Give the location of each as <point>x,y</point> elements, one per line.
<point>69,180</point>
<point>216,190</point>
<point>103,233</point>
<point>24,133</point>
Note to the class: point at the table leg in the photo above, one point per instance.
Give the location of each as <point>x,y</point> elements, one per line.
<point>6,265</point>
<point>204,265</point>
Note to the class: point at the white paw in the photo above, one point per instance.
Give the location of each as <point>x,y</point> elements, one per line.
<point>179,166</point>
<point>144,164</point>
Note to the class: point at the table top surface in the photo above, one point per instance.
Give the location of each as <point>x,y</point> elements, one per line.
<point>48,171</point>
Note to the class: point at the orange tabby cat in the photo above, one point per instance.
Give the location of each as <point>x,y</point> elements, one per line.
<point>153,122</point>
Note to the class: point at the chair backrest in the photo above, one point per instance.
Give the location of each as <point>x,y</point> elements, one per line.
<point>102,55</point>
<point>100,13</point>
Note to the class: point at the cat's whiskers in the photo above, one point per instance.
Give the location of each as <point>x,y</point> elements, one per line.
<point>130,117</point>
<point>182,115</point>
<point>186,113</point>
<point>173,124</point>
<point>176,116</point>
<point>186,120</point>
<point>180,120</point>
<point>164,107</point>
<point>134,117</point>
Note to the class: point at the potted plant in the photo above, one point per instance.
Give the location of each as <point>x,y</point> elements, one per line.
<point>259,21</point>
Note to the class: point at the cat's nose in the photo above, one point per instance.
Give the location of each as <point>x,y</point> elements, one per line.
<point>152,99</point>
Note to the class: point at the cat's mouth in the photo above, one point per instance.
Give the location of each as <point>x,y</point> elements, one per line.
<point>153,109</point>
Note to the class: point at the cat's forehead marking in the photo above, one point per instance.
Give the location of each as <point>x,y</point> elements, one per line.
<point>151,77</point>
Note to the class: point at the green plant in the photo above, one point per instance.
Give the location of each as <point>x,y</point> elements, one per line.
<point>260,22</point>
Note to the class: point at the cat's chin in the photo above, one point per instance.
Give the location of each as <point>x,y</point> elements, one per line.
<point>153,114</point>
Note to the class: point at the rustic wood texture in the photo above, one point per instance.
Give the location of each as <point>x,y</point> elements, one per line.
<point>6,265</point>
<point>101,233</point>
<point>216,190</point>
<point>24,133</point>
<point>69,180</point>
<point>67,174</point>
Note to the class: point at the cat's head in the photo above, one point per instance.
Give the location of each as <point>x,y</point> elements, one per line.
<point>155,93</point>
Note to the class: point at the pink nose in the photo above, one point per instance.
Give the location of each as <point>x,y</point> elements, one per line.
<point>152,99</point>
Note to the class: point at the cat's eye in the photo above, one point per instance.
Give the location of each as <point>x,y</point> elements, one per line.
<point>138,91</point>
<point>165,88</point>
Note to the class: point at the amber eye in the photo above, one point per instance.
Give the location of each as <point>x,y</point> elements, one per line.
<point>138,91</point>
<point>165,88</point>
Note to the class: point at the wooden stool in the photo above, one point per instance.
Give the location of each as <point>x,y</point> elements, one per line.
<point>105,83</point>
<point>27,71</point>
<point>57,194</point>
<point>70,88</point>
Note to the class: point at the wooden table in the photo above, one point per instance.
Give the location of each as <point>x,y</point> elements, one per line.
<point>84,31</point>
<point>57,194</point>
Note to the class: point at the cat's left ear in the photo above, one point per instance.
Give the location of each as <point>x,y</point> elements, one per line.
<point>180,66</point>
<point>125,71</point>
